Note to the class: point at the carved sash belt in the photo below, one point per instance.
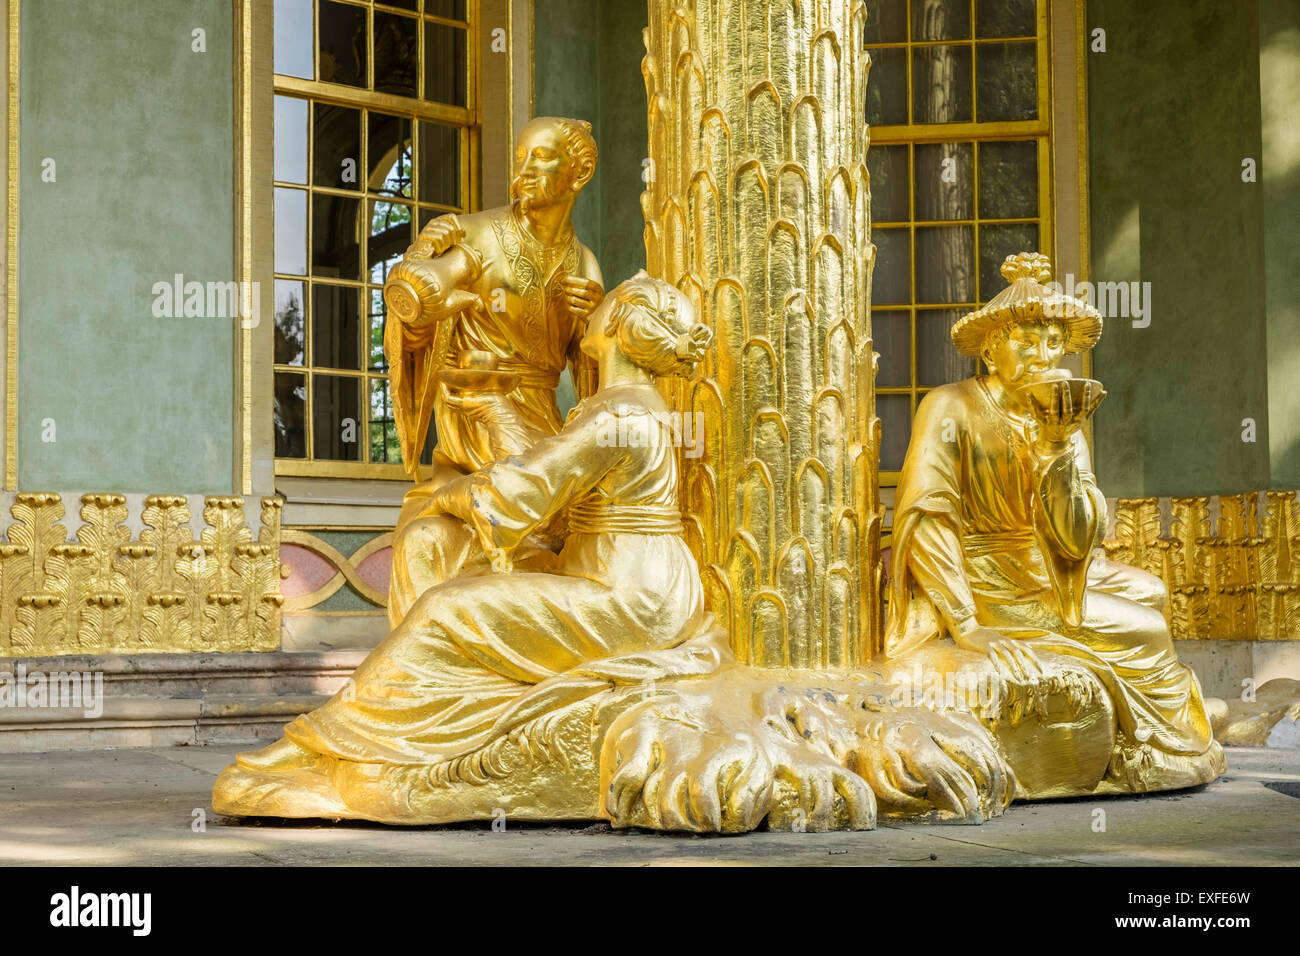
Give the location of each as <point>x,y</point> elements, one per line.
<point>532,377</point>
<point>596,517</point>
<point>977,545</point>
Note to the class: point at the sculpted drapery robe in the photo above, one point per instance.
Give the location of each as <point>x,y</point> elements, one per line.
<point>524,322</point>
<point>469,650</point>
<point>983,528</point>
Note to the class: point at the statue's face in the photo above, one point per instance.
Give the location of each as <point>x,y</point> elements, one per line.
<point>1031,353</point>
<point>544,171</point>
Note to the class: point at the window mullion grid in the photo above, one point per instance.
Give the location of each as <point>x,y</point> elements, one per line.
<point>907,57</point>
<point>370,47</point>
<point>308,292</point>
<point>366,221</point>
<point>976,148</point>
<point>1037,131</point>
<point>974,85</point>
<point>911,259</point>
<point>358,100</point>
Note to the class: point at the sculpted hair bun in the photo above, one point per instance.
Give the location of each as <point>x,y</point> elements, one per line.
<point>693,344</point>
<point>656,327</point>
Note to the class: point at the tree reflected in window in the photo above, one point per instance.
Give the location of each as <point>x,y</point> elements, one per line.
<point>369,137</point>
<point>957,147</point>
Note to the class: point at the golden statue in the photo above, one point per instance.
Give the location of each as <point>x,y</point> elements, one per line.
<point>600,686</point>
<point>553,655</point>
<point>465,664</point>
<point>997,525</point>
<point>508,291</point>
<point>594,683</point>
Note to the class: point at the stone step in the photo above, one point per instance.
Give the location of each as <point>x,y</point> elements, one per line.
<point>153,722</point>
<point>193,675</point>
<point>160,700</point>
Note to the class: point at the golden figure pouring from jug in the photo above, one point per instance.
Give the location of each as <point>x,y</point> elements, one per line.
<point>508,291</point>
<point>997,523</point>
<point>486,652</point>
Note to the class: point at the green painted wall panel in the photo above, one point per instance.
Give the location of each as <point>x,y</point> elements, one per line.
<point>565,84</point>
<point>140,128</point>
<point>623,128</point>
<point>1174,108</point>
<point>588,65</point>
<point>1279,79</point>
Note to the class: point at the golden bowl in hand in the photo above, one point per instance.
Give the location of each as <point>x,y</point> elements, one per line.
<point>1063,403</point>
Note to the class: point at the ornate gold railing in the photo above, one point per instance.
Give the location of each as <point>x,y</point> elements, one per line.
<point>105,591</point>
<point>1230,574</point>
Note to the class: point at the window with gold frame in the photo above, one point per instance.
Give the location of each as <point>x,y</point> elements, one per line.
<point>374,128</point>
<point>959,109</point>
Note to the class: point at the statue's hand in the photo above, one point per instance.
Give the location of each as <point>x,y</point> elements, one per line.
<point>460,300</point>
<point>976,638</point>
<point>1059,409</point>
<point>436,237</point>
<point>1014,660</point>
<point>508,435</point>
<point>581,295</point>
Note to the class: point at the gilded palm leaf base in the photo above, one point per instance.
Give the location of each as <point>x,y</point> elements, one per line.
<point>732,748</point>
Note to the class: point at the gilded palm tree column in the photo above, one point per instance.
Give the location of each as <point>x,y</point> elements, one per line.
<point>758,207</point>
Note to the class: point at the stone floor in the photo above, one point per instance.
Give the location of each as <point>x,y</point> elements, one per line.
<point>150,807</point>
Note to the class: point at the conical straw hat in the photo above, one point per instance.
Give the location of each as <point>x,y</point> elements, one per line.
<point>1031,297</point>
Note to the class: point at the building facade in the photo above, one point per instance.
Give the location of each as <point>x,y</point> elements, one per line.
<point>203,199</point>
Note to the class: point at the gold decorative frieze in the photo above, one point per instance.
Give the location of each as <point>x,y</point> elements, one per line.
<point>103,592</point>
<point>1233,577</point>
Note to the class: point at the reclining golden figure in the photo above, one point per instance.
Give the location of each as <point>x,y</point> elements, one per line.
<point>444,680</point>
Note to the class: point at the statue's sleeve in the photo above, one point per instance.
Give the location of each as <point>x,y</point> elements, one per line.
<point>582,368</point>
<point>415,353</point>
<point>507,500</point>
<point>936,562</point>
<point>1072,510</point>
<point>1070,519</point>
<point>929,590</point>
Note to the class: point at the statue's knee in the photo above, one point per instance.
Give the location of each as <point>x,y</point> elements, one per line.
<point>1143,587</point>
<point>1154,630</point>
<point>433,531</point>
<point>428,552</point>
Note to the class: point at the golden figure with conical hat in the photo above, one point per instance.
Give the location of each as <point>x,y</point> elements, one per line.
<point>997,524</point>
